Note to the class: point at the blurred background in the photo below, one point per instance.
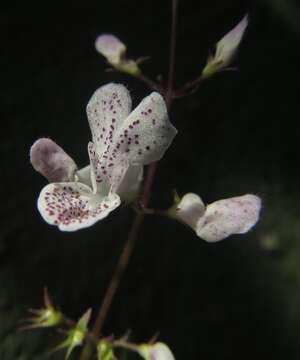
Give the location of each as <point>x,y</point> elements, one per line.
<point>238,134</point>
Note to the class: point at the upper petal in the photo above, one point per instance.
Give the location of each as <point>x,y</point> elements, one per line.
<point>106,110</point>
<point>146,133</point>
<point>51,161</point>
<point>110,47</point>
<point>106,170</point>
<point>73,206</point>
<point>222,218</point>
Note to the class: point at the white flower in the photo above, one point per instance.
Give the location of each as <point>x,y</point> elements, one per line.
<point>157,351</point>
<point>123,142</point>
<point>114,51</point>
<point>218,220</point>
<point>226,49</point>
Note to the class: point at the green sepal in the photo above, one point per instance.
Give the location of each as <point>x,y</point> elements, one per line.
<point>76,335</point>
<point>104,351</point>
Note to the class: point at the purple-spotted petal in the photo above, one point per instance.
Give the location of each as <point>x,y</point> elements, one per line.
<point>51,161</point>
<point>146,133</point>
<point>104,173</point>
<point>142,138</point>
<point>73,206</point>
<point>106,110</point>
<point>223,218</point>
<point>110,47</point>
<point>110,173</point>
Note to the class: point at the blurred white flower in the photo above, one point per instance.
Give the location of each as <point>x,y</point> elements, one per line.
<point>218,220</point>
<point>225,49</point>
<point>114,51</point>
<point>157,351</point>
<point>123,142</point>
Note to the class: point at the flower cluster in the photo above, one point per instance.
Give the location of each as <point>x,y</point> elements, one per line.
<point>123,142</point>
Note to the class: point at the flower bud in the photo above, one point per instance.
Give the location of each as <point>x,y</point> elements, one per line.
<point>225,49</point>
<point>114,51</point>
<point>76,335</point>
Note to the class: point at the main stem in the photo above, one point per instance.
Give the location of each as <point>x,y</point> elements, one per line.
<point>144,199</point>
<point>117,275</point>
<point>172,54</point>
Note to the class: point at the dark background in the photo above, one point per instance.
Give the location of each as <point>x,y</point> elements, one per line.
<point>237,299</point>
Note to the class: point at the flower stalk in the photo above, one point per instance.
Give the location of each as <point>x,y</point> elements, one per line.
<point>144,200</point>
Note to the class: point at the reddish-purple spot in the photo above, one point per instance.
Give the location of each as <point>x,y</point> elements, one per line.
<point>136,142</point>
<point>147,147</point>
<point>113,120</point>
